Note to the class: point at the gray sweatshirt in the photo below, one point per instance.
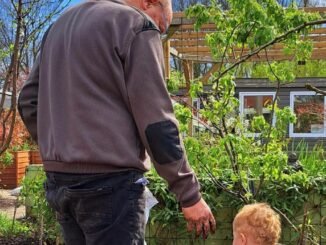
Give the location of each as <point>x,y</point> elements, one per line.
<point>96,98</point>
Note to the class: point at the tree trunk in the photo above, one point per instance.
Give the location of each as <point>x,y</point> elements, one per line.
<point>11,78</point>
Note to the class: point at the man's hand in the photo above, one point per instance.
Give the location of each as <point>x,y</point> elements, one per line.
<point>200,218</point>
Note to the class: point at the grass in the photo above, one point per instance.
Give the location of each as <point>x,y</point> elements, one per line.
<point>8,228</point>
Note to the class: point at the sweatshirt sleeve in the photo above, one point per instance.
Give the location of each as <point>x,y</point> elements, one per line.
<point>152,110</point>
<point>28,100</point>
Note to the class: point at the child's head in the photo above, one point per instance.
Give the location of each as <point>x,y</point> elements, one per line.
<point>256,224</point>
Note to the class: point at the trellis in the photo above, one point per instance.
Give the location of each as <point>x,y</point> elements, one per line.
<point>189,45</point>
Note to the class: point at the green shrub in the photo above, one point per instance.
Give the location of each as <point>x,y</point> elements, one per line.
<point>6,158</point>
<point>33,195</point>
<point>313,160</point>
<point>8,228</point>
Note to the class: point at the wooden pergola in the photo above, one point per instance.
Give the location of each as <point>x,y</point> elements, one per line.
<point>189,45</point>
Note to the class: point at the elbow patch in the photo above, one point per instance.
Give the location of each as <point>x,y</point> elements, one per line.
<point>164,142</point>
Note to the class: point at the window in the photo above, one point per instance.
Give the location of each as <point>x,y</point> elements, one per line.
<point>197,124</point>
<point>255,104</point>
<point>310,111</point>
<point>196,106</point>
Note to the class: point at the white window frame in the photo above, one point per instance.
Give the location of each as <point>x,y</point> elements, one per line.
<point>291,127</point>
<point>241,106</point>
<point>197,100</point>
<point>195,119</point>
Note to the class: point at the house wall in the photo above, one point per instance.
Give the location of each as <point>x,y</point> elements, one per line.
<point>263,85</point>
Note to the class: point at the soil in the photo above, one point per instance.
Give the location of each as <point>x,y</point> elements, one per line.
<point>18,241</point>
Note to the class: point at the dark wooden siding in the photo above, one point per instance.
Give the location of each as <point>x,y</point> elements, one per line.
<point>263,85</point>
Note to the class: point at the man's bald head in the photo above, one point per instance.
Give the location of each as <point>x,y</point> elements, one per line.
<point>159,10</point>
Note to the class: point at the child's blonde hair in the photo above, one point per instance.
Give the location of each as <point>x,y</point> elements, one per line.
<point>260,221</point>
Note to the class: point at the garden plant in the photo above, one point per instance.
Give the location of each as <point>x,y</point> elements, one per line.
<point>248,162</point>
<point>236,161</point>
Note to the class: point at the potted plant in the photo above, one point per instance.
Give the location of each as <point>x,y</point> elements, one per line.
<point>12,168</point>
<point>15,159</point>
<point>34,156</point>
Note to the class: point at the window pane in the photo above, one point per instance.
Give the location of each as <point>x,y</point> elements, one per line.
<point>257,105</point>
<point>309,110</point>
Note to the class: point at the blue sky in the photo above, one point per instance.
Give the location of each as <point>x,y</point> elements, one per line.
<point>75,1</point>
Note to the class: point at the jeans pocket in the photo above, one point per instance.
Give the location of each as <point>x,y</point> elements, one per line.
<point>93,207</point>
<point>76,192</point>
<point>94,201</point>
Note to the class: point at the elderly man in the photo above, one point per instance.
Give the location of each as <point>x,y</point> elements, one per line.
<point>95,101</point>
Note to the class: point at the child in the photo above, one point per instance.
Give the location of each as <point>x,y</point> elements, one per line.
<point>256,224</point>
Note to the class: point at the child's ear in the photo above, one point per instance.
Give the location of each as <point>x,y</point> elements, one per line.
<point>243,239</point>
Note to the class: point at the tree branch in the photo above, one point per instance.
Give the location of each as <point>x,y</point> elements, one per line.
<point>274,41</point>
<point>312,88</point>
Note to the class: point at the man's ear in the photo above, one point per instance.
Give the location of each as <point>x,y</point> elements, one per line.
<point>146,4</point>
<point>243,239</point>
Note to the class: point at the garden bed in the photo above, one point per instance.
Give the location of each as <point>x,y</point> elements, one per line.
<point>35,157</point>
<point>18,240</point>
<point>11,175</point>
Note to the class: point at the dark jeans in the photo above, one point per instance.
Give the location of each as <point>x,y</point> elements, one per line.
<point>96,209</point>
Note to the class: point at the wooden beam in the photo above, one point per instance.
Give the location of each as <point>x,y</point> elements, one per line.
<point>171,31</point>
<point>202,42</point>
<point>193,49</point>
<point>191,27</point>
<point>202,34</point>
<point>208,74</point>
<point>191,45</point>
<point>246,52</point>
<point>320,52</point>
<point>318,31</point>
<point>315,9</point>
<point>188,73</point>
<point>187,43</point>
<point>187,70</point>
<point>166,52</point>
<point>190,35</point>
<point>175,52</point>
<point>308,9</point>
<point>203,59</point>
<point>178,15</point>
<point>278,50</point>
<point>318,38</point>
<point>206,57</point>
